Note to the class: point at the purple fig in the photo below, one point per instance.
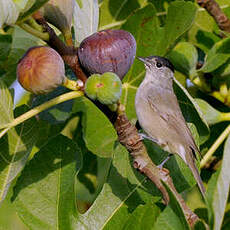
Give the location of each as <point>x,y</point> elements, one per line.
<point>108,51</point>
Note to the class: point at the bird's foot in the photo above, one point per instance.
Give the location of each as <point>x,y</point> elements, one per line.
<point>144,136</point>
<point>160,166</point>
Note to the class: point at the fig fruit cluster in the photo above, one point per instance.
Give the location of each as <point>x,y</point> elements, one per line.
<point>41,70</point>
<point>108,51</point>
<point>105,88</point>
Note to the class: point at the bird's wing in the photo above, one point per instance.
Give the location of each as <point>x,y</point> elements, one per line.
<point>166,108</point>
<point>165,104</point>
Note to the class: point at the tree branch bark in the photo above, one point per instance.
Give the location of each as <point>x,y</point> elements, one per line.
<point>215,11</point>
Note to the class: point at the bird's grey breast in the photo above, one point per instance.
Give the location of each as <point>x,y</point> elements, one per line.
<point>149,100</point>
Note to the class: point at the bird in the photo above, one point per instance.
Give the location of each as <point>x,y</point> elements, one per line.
<point>159,114</point>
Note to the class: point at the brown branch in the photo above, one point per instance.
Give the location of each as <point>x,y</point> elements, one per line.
<point>128,136</point>
<point>215,11</point>
<point>68,53</point>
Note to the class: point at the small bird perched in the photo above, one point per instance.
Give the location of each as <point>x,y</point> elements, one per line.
<point>159,114</point>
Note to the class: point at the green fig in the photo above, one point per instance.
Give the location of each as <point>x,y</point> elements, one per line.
<point>105,88</point>
<point>92,86</point>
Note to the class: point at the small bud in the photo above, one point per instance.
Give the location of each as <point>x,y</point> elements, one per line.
<point>41,70</point>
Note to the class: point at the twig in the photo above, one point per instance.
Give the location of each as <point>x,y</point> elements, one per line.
<point>68,53</point>
<point>37,33</point>
<point>128,136</point>
<point>215,11</point>
<point>33,112</point>
<point>214,147</point>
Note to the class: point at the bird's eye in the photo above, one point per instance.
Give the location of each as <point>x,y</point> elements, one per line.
<point>158,65</point>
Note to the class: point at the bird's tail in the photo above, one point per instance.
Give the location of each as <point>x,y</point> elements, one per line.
<point>196,174</point>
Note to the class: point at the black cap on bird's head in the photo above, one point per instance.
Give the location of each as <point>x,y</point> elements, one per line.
<point>157,61</point>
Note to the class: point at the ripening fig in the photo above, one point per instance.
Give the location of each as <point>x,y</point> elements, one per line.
<point>59,13</point>
<point>92,86</point>
<point>108,51</point>
<point>105,88</point>
<point>41,70</point>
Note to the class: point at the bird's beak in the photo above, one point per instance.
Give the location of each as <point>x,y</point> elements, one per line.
<point>143,59</point>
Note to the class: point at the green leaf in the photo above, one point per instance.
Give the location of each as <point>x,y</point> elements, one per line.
<point>113,13</point>
<point>94,171</point>
<point>184,57</point>
<point>119,218</point>
<point>21,42</point>
<point>222,73</point>
<point>211,115</point>
<point>191,111</point>
<point>99,133</point>
<point>31,7</point>
<point>176,207</point>
<point>86,16</point>
<point>226,221</point>
<point>120,191</point>
<point>44,194</point>
<point>217,56</point>
<point>202,39</point>
<point>143,217</point>
<point>56,114</point>
<point>179,19</point>
<point>204,20</point>
<point>9,12</point>
<point>21,4</point>
<point>200,225</point>
<point>16,146</point>
<point>218,190</point>
<point>5,45</point>
<point>168,220</point>
<point>6,105</point>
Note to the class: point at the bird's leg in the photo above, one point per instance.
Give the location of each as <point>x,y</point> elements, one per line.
<point>160,166</point>
<point>144,136</point>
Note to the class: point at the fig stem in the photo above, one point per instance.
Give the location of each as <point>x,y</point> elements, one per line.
<point>32,22</point>
<point>225,117</point>
<point>42,35</point>
<point>33,112</point>
<point>71,84</point>
<point>68,37</point>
